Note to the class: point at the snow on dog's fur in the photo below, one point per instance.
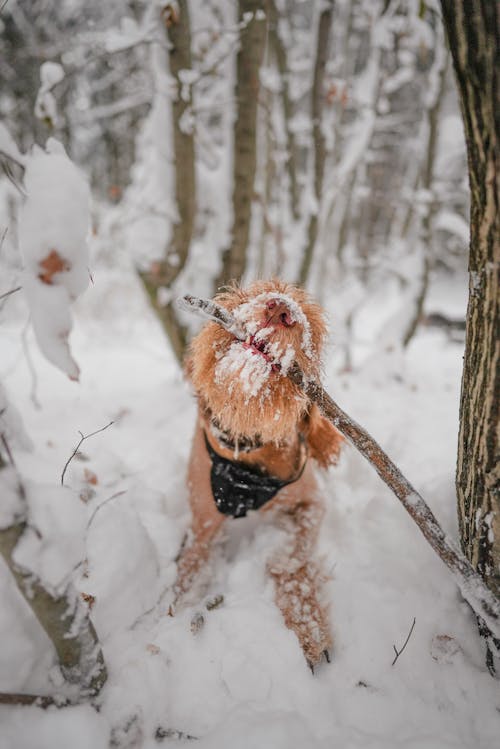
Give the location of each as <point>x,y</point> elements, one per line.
<point>250,413</point>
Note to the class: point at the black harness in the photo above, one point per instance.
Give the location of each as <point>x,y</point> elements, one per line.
<point>238,487</point>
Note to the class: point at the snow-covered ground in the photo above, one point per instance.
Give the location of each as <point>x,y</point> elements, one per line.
<point>241,679</point>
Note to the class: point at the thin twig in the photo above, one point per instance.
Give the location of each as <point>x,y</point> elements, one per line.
<point>2,239</point>
<point>4,442</point>
<point>113,496</point>
<point>398,652</point>
<point>83,438</point>
<point>8,293</point>
<point>9,174</point>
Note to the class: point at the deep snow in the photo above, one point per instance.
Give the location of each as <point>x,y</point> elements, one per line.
<point>241,680</point>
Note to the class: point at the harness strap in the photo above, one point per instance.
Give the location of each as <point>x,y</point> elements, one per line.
<point>238,487</point>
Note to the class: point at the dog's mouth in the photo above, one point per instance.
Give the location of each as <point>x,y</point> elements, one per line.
<point>277,316</point>
<point>260,346</point>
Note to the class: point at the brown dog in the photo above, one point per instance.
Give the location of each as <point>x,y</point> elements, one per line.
<point>255,442</point>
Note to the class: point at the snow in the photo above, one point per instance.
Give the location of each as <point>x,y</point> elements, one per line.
<point>51,73</point>
<point>11,423</point>
<point>241,679</point>
<point>53,230</point>
<point>8,145</point>
<point>245,312</point>
<point>54,544</point>
<point>251,370</point>
<point>454,224</point>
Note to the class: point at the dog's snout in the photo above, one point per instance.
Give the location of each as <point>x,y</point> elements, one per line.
<point>279,314</point>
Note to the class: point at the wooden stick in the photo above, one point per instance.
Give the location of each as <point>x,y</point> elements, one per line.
<point>473,588</point>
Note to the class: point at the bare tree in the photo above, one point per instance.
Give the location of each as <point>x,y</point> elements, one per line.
<point>164,273</point>
<point>248,62</point>
<point>474,38</point>
<point>319,153</point>
<point>280,53</point>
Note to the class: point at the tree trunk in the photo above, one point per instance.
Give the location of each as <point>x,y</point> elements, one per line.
<point>248,62</point>
<point>325,22</point>
<point>474,38</point>
<point>426,182</point>
<point>282,63</point>
<point>166,272</point>
<point>63,617</point>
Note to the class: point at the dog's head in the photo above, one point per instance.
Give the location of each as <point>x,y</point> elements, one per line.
<point>243,383</point>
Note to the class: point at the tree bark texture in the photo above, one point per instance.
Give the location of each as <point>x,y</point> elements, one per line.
<point>325,23</point>
<point>166,272</point>
<point>248,62</point>
<point>474,38</point>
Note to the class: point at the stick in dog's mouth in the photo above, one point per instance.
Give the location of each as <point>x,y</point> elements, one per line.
<point>212,311</point>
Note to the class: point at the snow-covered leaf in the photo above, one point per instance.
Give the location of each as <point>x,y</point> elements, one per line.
<point>53,232</point>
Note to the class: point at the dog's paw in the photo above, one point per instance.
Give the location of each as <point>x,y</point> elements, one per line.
<point>324,658</point>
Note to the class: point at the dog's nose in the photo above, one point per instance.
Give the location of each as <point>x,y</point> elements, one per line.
<point>279,314</point>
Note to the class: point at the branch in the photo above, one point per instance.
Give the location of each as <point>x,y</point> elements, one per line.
<point>39,700</point>
<point>470,583</point>
<point>63,617</point>
<point>398,652</point>
<point>83,438</point>
<point>12,291</point>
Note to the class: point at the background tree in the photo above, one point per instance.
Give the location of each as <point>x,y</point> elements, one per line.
<point>246,96</point>
<point>163,274</point>
<point>474,39</point>
<point>309,140</point>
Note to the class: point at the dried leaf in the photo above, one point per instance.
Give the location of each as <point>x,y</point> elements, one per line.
<point>89,600</point>
<point>169,15</point>
<point>90,477</point>
<point>51,265</point>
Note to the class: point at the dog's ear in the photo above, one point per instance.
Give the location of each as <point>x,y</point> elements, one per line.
<point>324,441</point>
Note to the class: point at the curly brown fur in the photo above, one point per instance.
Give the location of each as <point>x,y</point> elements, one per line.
<point>244,394</point>
<point>276,411</point>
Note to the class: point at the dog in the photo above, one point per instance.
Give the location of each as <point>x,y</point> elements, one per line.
<point>256,443</point>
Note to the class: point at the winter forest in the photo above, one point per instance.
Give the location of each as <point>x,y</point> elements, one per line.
<point>150,150</point>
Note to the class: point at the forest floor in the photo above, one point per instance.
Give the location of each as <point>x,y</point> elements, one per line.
<point>241,680</point>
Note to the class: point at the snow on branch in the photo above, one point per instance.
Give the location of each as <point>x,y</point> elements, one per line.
<point>37,536</point>
<point>51,73</point>
<point>53,230</point>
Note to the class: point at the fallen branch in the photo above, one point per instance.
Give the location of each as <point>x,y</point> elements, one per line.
<point>483,602</point>
<point>39,700</point>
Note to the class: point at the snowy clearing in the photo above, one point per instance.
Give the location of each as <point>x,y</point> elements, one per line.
<point>241,678</point>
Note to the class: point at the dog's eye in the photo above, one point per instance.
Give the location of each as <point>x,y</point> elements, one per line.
<point>271,304</point>
<point>286,319</point>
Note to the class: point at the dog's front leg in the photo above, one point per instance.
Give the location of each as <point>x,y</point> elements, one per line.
<point>206,522</point>
<point>297,579</point>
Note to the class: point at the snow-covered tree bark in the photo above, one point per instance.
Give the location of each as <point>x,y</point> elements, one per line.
<point>165,272</point>
<point>63,617</point>
<point>246,94</point>
<point>474,38</point>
